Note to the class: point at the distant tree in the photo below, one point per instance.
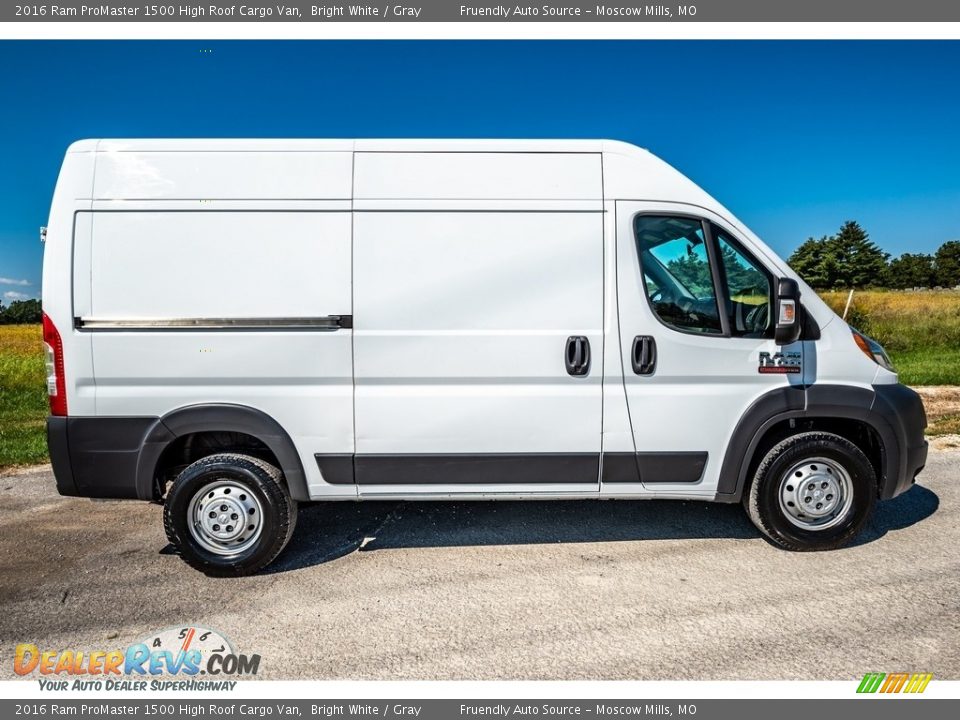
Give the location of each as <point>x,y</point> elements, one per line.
<point>20,312</point>
<point>813,261</point>
<point>947,264</point>
<point>861,263</point>
<point>848,259</point>
<point>911,271</point>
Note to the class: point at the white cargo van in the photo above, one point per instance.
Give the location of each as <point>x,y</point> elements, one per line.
<point>236,326</point>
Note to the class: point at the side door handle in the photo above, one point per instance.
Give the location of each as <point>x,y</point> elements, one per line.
<point>644,355</point>
<point>577,355</point>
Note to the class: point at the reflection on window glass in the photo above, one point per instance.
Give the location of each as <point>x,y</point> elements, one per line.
<point>676,273</point>
<point>748,303</point>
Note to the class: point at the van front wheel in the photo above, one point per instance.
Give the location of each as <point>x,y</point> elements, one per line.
<point>229,514</point>
<point>812,491</point>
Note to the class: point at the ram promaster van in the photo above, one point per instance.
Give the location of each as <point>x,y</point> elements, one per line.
<point>237,326</point>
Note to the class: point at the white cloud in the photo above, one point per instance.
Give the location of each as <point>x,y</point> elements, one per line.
<point>11,295</point>
<point>13,281</point>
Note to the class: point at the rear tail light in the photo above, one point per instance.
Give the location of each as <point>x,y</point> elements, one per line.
<point>56,380</point>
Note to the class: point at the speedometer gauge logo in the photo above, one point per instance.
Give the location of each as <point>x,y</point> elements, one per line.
<point>200,641</point>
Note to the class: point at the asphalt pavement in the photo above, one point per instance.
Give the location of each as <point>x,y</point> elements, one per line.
<point>503,590</point>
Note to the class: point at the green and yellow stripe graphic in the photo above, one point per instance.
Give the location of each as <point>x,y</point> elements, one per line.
<point>894,682</point>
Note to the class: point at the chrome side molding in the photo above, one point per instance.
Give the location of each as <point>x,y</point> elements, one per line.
<point>325,322</point>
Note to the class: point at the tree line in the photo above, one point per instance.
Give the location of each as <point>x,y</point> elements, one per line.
<point>850,259</point>
<point>20,312</point>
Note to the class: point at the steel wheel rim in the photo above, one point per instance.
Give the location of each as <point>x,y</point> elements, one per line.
<point>225,517</point>
<point>816,493</point>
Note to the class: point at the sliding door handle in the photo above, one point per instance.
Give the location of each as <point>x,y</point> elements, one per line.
<point>577,355</point>
<point>644,355</point>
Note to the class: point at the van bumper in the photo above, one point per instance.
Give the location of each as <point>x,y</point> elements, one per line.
<point>902,409</point>
<point>97,456</point>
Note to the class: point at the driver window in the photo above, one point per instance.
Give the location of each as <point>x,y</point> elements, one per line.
<point>748,289</point>
<point>676,273</point>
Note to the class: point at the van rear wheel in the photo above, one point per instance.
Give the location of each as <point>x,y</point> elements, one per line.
<point>812,491</point>
<point>229,514</point>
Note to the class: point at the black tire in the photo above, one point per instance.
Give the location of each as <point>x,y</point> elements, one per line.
<point>768,493</point>
<point>264,482</point>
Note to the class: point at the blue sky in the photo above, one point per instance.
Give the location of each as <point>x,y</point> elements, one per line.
<point>794,137</point>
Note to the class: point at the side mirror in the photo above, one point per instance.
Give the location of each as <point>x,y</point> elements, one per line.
<point>787,312</point>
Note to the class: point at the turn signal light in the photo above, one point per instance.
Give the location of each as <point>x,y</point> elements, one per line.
<point>872,349</point>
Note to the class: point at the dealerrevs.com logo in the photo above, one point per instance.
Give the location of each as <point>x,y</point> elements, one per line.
<point>154,663</point>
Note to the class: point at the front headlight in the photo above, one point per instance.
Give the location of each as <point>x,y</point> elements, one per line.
<point>872,349</point>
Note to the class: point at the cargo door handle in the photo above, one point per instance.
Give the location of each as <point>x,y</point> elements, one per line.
<point>644,355</point>
<point>577,355</point>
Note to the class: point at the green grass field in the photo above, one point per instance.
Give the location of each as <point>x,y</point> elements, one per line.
<point>23,396</point>
<point>920,330</point>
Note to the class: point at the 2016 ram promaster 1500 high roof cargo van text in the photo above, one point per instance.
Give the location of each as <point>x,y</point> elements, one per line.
<point>236,326</point>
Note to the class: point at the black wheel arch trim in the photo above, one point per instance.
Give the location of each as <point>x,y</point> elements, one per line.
<point>890,411</point>
<point>222,417</point>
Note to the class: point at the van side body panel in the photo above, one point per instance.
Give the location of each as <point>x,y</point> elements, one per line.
<point>471,271</point>
<point>179,237</point>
